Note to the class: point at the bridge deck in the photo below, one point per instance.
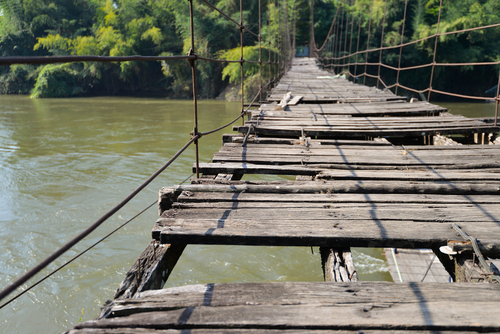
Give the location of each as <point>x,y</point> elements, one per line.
<point>352,190</point>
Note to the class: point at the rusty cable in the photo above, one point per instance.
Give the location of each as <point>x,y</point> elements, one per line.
<point>401,48</point>
<point>329,31</point>
<point>381,43</point>
<point>76,256</point>
<point>193,74</point>
<point>73,59</point>
<point>435,50</point>
<point>21,280</point>
<point>368,42</point>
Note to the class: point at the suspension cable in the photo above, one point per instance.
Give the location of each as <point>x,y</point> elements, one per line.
<point>21,280</point>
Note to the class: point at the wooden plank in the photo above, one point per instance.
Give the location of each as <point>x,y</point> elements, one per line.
<point>150,271</point>
<point>449,214</point>
<point>419,311</point>
<point>372,232</point>
<point>251,331</point>
<point>331,133</point>
<point>329,174</point>
<point>338,265</point>
<point>300,293</point>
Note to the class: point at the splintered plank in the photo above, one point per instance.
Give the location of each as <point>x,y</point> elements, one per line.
<point>395,108</point>
<point>332,132</point>
<point>354,306</point>
<point>245,216</point>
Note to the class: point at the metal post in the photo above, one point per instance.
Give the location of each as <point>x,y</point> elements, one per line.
<point>241,63</point>
<point>269,44</point>
<point>381,44</point>
<point>260,56</point>
<point>357,46</point>
<point>274,44</point>
<point>350,43</point>
<point>193,71</point>
<point>401,48</point>
<point>345,36</point>
<point>435,49</point>
<point>497,100</point>
<point>339,49</point>
<point>368,43</point>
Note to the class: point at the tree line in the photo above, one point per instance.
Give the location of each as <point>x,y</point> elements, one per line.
<point>162,28</point>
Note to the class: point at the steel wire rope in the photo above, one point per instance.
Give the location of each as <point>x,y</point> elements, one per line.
<point>432,64</point>
<point>329,31</point>
<point>21,280</point>
<point>241,26</point>
<point>87,249</point>
<point>76,256</point>
<point>196,135</point>
<point>85,233</point>
<point>426,38</point>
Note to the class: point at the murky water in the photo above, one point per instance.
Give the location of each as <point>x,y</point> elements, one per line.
<point>65,162</point>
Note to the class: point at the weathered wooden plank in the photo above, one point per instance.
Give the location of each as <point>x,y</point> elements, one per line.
<point>150,271</point>
<point>337,265</point>
<point>253,331</point>
<point>236,194</point>
<point>425,307</point>
<point>354,161</point>
<point>373,232</point>
<point>326,174</point>
<point>374,132</point>
<point>451,213</point>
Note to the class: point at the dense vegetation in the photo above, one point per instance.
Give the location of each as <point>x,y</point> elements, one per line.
<point>161,27</point>
<point>422,18</point>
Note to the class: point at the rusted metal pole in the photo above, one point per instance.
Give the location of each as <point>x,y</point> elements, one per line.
<point>345,35</point>
<point>401,48</point>
<point>381,44</point>
<point>368,43</point>
<point>497,100</point>
<point>269,44</point>
<point>274,44</point>
<point>241,64</point>
<point>357,46</point>
<point>350,43</point>
<point>195,102</point>
<point>340,38</point>
<point>260,55</point>
<point>335,45</point>
<point>435,49</point>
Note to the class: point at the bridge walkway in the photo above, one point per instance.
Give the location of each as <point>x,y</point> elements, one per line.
<point>368,175</point>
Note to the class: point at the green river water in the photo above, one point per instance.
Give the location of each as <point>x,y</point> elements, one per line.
<point>65,162</point>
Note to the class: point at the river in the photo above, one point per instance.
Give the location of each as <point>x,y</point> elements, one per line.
<point>65,162</point>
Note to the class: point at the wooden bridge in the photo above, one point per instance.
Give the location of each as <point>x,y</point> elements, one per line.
<point>373,170</point>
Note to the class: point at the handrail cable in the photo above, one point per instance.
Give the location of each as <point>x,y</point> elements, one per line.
<point>21,280</point>
<point>77,256</point>
<point>192,57</point>
<point>329,31</point>
<point>336,60</point>
<point>87,249</point>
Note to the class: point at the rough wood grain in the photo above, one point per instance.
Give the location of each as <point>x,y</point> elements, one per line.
<point>337,265</point>
<point>312,306</point>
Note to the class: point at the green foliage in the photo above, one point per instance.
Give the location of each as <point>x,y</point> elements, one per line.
<point>162,27</point>
<point>59,80</point>
<point>422,22</point>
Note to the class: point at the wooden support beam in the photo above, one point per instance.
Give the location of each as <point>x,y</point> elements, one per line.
<point>468,269</point>
<point>338,265</point>
<point>439,140</point>
<point>465,267</point>
<point>149,272</point>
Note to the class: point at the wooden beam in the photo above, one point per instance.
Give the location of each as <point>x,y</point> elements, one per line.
<point>150,271</point>
<point>338,265</point>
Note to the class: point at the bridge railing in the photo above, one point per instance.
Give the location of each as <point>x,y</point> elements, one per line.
<point>278,58</point>
<point>337,52</point>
